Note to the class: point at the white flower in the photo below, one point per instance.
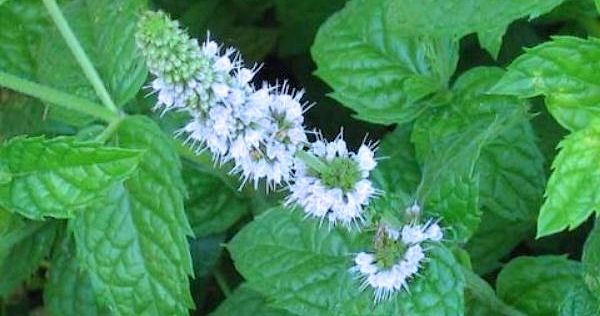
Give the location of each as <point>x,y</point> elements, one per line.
<point>366,158</point>
<point>387,278</point>
<point>344,184</point>
<point>434,232</point>
<point>273,117</point>
<point>413,234</point>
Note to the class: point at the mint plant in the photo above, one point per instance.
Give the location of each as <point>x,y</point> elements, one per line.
<point>380,157</point>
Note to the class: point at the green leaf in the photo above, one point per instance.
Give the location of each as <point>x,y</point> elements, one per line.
<point>494,239</point>
<point>237,30</point>
<point>451,136</point>
<point>212,207</point>
<point>300,21</point>
<point>597,2</point>
<point>59,177</point>
<point>458,18</point>
<point>378,72</point>
<point>537,285</point>
<point>571,192</point>
<point>247,302</point>
<point>579,302</point>
<point>511,169</point>
<point>591,261</point>
<point>561,71</point>
<point>22,23</point>
<point>301,266</point>
<point>68,291</point>
<point>481,300</point>
<point>106,31</point>
<point>23,259</point>
<point>205,253</point>
<point>134,244</point>
<point>19,115</point>
<point>397,169</point>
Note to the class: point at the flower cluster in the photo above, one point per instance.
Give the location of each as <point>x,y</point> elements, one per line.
<point>398,256</point>
<point>333,182</point>
<point>258,129</point>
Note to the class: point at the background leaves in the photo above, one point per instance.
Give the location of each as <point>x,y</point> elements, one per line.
<point>379,72</point>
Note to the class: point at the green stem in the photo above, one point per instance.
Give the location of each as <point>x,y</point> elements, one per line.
<point>109,131</point>
<point>80,55</point>
<point>311,161</point>
<point>220,278</point>
<point>57,97</point>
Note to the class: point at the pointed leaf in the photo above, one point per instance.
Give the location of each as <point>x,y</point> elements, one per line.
<point>134,244</point>
<point>561,71</point>
<point>571,192</point>
<point>58,177</point>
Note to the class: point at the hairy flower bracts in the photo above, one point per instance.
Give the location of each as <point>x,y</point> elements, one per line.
<point>273,132</point>
<point>258,129</point>
<point>331,183</point>
<point>398,255</point>
<point>188,75</point>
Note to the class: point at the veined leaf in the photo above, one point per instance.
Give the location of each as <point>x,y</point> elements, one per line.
<point>212,207</point>
<point>247,302</point>
<point>494,239</point>
<point>579,302</point>
<point>561,71</point>
<point>481,300</point>
<point>537,285</point>
<point>571,192</point>
<point>68,291</point>
<point>133,245</point>
<point>591,261</point>
<point>379,72</point>
<point>302,267</point>
<point>22,23</point>
<point>452,136</point>
<point>397,168</point>
<point>458,18</point>
<point>58,177</point>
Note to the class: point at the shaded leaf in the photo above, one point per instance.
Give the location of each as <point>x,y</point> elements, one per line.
<point>537,285</point>
<point>25,256</point>
<point>458,18</point>
<point>212,206</point>
<point>68,291</point>
<point>247,302</point>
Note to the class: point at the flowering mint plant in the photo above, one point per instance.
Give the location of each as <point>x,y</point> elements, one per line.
<point>360,157</point>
